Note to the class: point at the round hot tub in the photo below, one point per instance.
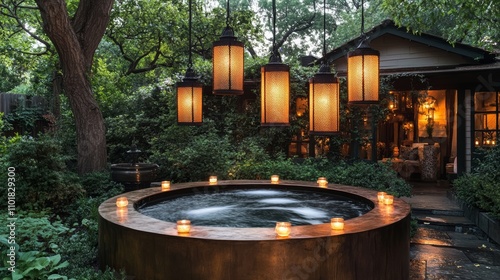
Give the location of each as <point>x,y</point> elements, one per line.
<point>374,243</point>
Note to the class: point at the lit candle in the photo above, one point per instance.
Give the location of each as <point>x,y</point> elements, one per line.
<point>283,228</point>
<point>337,223</point>
<point>477,142</point>
<point>488,142</point>
<point>493,142</point>
<point>388,199</point>
<point>322,182</point>
<point>165,185</point>
<point>183,226</point>
<point>275,179</point>
<point>380,196</point>
<point>122,201</point>
<point>212,180</point>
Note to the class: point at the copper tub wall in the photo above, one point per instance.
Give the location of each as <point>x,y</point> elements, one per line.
<point>380,252</point>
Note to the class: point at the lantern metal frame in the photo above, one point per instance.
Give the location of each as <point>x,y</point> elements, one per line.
<point>229,42</point>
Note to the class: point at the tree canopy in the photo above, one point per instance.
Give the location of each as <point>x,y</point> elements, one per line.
<point>127,48</point>
<point>466,21</point>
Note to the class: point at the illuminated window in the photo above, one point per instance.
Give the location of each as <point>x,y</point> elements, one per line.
<point>486,118</point>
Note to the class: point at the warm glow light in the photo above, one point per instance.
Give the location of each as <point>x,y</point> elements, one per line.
<point>122,214</point>
<point>477,142</point>
<point>212,180</point>
<point>388,199</point>
<point>189,102</point>
<point>363,75</point>
<point>283,228</point>
<point>228,64</point>
<point>165,185</point>
<point>381,196</point>
<point>121,201</point>
<point>300,106</point>
<point>275,179</point>
<point>322,182</point>
<point>337,223</point>
<point>275,94</point>
<point>324,103</point>
<point>183,226</point>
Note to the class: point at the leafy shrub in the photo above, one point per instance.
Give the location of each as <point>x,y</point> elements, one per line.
<point>32,265</point>
<point>481,187</point>
<point>36,231</point>
<point>80,248</point>
<point>360,173</point>
<point>42,179</point>
<point>98,187</point>
<point>202,157</point>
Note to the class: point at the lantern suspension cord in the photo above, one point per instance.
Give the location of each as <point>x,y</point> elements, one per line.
<point>190,61</point>
<point>324,28</point>
<point>362,16</point>
<point>227,13</point>
<point>274,27</point>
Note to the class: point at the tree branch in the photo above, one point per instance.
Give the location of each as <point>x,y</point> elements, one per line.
<point>89,24</point>
<point>296,27</point>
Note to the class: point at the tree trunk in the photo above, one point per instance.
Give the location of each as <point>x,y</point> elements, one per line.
<point>56,94</point>
<point>76,43</point>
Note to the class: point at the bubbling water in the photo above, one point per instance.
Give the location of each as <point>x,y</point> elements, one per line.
<point>256,208</point>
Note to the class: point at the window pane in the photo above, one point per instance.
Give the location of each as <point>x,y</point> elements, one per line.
<point>485,101</point>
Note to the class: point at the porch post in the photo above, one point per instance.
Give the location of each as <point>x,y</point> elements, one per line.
<point>461,131</point>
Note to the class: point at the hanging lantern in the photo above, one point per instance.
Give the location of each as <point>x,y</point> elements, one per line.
<point>275,87</point>
<point>363,75</point>
<point>228,63</point>
<point>324,103</point>
<point>189,92</point>
<point>189,100</point>
<point>275,94</point>
<point>324,96</point>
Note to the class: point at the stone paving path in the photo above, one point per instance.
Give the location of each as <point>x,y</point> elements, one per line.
<point>447,245</point>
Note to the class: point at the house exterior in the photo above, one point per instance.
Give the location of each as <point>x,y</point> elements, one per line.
<point>452,89</point>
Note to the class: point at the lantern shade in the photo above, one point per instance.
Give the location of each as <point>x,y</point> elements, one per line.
<point>228,64</point>
<point>363,75</point>
<point>324,104</point>
<point>189,102</point>
<point>275,94</point>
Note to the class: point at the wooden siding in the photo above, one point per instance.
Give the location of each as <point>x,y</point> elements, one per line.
<point>400,53</point>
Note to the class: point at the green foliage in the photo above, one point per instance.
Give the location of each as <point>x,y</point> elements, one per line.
<point>98,187</point>
<point>80,247</point>
<point>413,227</point>
<point>33,265</point>
<point>481,187</point>
<point>73,238</point>
<point>25,118</point>
<point>36,231</point>
<point>362,174</point>
<point>42,179</point>
<point>468,21</point>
